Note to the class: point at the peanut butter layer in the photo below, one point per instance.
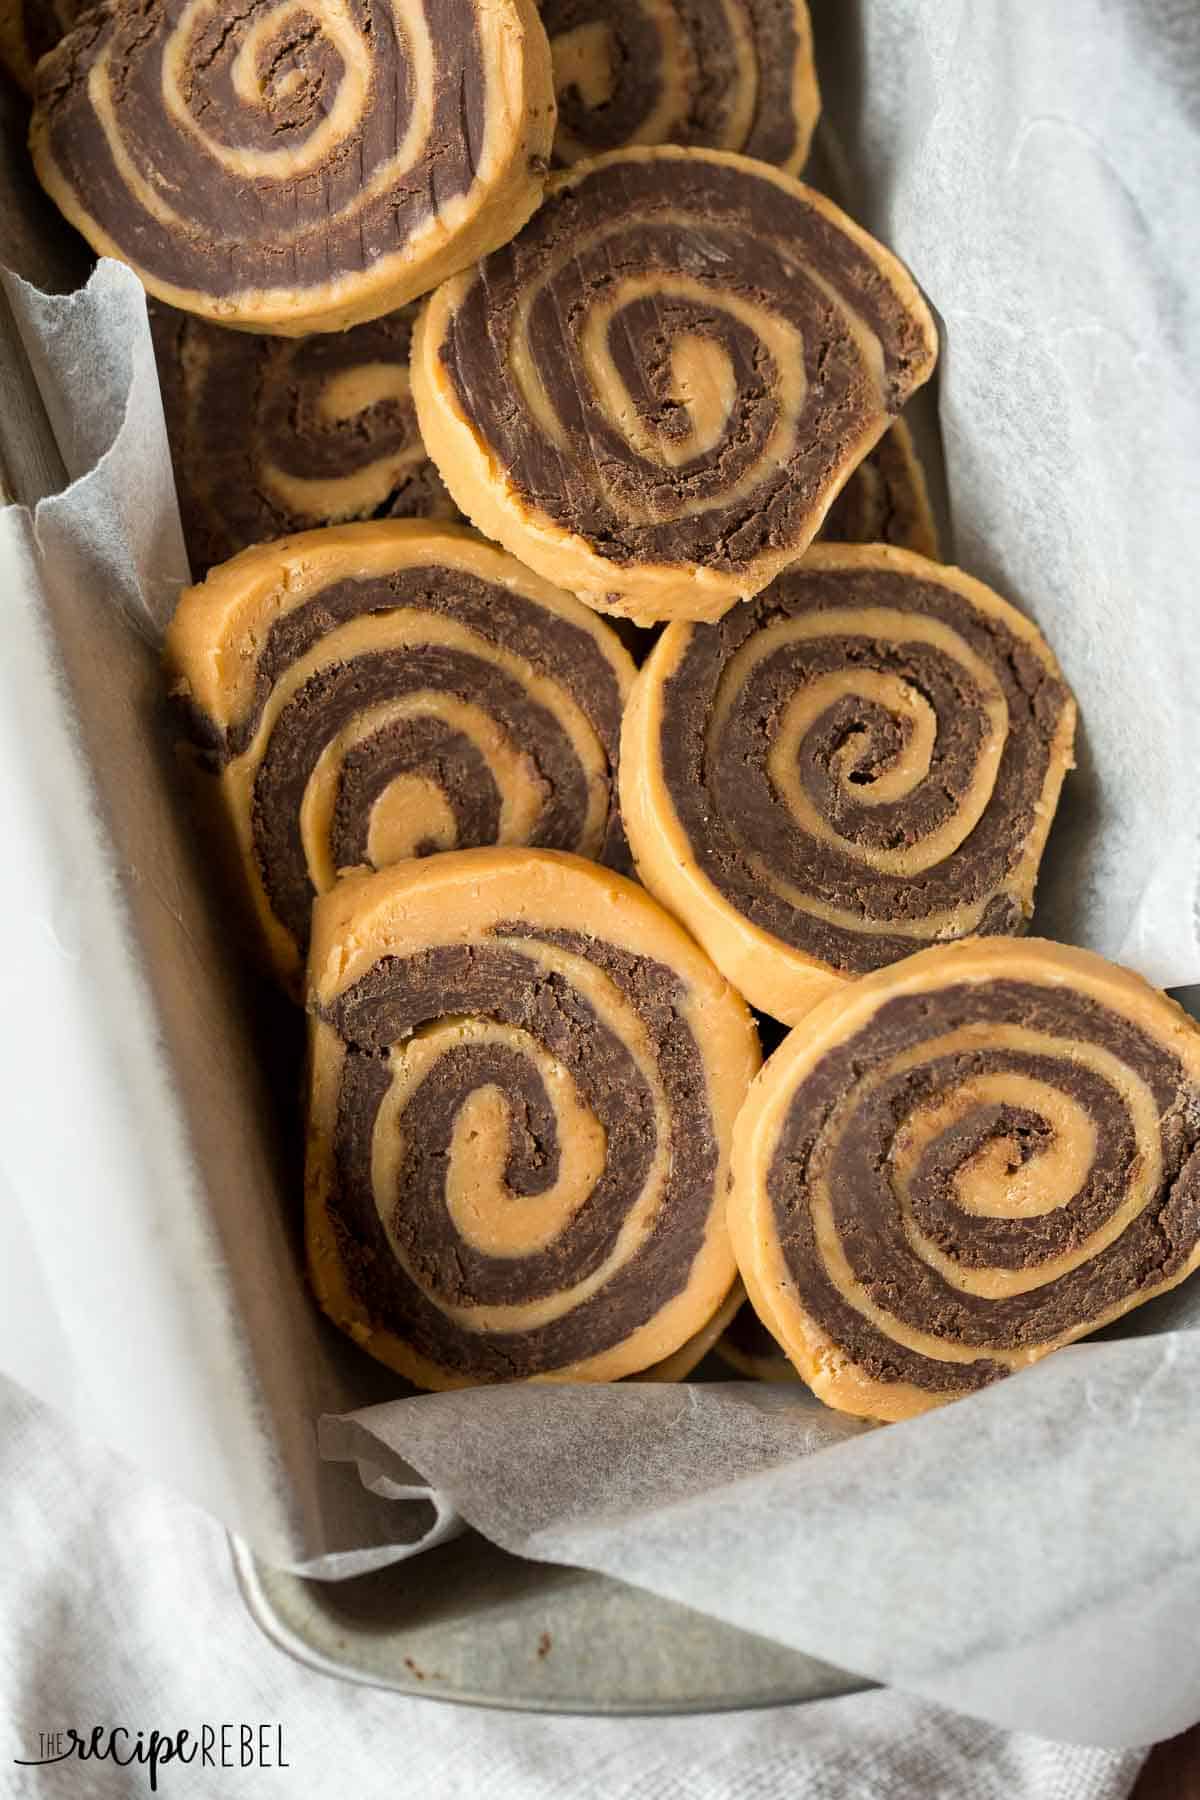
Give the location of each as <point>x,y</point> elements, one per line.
<point>523,1081</point>
<point>653,394</point>
<point>289,168</point>
<point>865,759</point>
<point>679,1366</point>
<point>379,691</point>
<point>274,435</point>
<point>962,1162</point>
<point>721,74</point>
<point>886,500</point>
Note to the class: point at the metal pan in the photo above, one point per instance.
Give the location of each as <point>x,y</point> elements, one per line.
<point>466,1622</point>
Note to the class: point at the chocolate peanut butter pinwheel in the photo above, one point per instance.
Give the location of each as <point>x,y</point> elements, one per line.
<point>272,435</point>
<point>293,167</point>
<point>384,690</point>
<point>863,760</point>
<point>524,1077</point>
<point>962,1162</point>
<point>723,74</point>
<point>886,500</point>
<point>654,392</point>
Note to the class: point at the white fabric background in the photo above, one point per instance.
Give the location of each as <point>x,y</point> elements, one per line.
<point>117,1605</point>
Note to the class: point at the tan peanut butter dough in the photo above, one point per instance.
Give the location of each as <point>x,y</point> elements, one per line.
<point>960,1163</point>
<point>722,74</point>
<point>384,690</point>
<point>29,28</point>
<point>272,435</point>
<point>679,1366</point>
<point>523,1082</point>
<point>653,394</point>
<point>886,500</point>
<point>286,169</point>
<point>865,759</point>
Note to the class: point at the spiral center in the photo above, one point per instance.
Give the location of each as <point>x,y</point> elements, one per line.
<point>846,743</point>
<point>870,769</point>
<point>354,391</point>
<point>1026,1147</point>
<point>284,85</point>
<point>585,59</point>
<point>452,776</point>
<point>411,817</point>
<point>492,1133</point>
<point>280,65</point>
<point>703,383</point>
<point>671,366</point>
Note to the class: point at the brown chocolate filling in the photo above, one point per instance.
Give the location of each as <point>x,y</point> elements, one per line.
<point>330,699</point>
<point>743,235</point>
<point>497,980</point>
<point>856,1170</point>
<point>727,803</point>
<point>567,652</point>
<point>414,746</point>
<point>637,55</point>
<point>255,231</point>
<point>636,47</point>
<point>239,405</point>
<point>773,134</point>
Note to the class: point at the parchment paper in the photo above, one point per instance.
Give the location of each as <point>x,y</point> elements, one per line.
<point>1031,1554</point>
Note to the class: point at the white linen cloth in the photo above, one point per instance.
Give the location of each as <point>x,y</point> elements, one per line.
<point>118,1605</point>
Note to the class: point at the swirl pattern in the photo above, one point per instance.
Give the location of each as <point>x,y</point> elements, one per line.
<point>380,691</point>
<point>524,1080</point>
<point>865,759</point>
<point>653,393</point>
<point>964,1162</point>
<point>288,167</point>
<point>274,435</point>
<point>723,74</point>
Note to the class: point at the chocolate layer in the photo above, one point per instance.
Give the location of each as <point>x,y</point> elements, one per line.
<point>773,134</point>
<point>731,810</point>
<point>421,746</point>
<point>499,980</point>
<point>501,616</point>
<point>833,1133</point>
<point>242,408</point>
<point>707,59</point>
<point>329,700</point>
<point>336,694</point>
<point>246,230</point>
<point>636,67</point>
<point>736,234</point>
